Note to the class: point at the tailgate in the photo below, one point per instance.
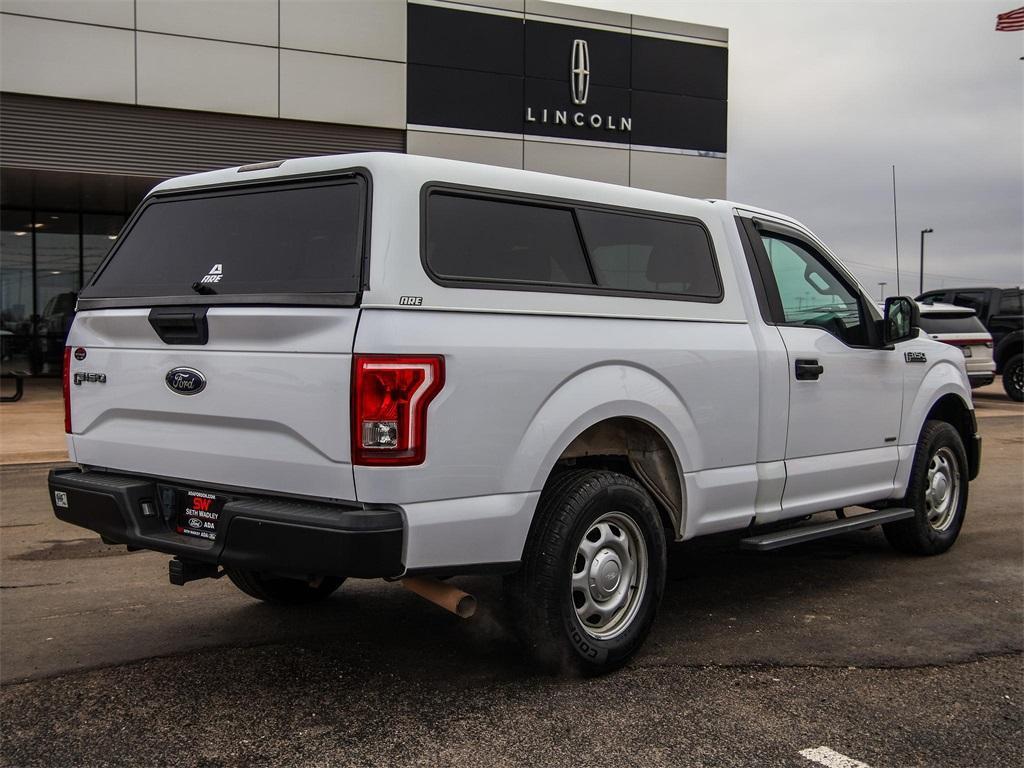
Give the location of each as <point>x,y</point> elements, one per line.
<point>273,414</point>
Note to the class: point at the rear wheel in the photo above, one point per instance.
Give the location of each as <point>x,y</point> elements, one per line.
<point>937,493</point>
<point>593,572</point>
<point>281,590</point>
<point>1013,377</point>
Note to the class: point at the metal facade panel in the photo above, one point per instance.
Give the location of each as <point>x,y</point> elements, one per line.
<point>96,137</point>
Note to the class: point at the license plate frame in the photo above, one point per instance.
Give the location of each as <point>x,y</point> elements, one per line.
<point>199,513</point>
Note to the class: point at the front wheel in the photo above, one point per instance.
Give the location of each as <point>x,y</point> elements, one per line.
<point>937,493</point>
<point>593,572</point>
<point>1013,377</point>
<point>281,590</point>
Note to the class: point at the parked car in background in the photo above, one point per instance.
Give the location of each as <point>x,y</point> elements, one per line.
<point>1000,311</point>
<point>960,327</point>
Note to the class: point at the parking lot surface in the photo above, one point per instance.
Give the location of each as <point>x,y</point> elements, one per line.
<point>841,643</point>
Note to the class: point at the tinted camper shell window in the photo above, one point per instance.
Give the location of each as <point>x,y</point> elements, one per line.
<point>475,238</point>
<point>295,242</point>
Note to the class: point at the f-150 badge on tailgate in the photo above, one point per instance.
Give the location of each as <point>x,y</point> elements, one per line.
<point>185,381</point>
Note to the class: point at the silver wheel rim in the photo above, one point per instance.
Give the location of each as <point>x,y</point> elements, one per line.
<point>609,575</point>
<point>1017,378</point>
<point>942,492</point>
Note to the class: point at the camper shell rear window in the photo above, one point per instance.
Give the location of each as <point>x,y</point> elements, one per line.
<point>297,242</point>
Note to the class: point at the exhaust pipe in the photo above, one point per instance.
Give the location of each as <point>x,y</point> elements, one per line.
<point>450,598</point>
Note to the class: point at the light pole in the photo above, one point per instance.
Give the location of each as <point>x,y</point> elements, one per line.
<point>921,283</point>
<point>881,290</point>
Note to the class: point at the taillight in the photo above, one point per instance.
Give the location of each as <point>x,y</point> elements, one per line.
<point>390,395</point>
<point>66,384</point>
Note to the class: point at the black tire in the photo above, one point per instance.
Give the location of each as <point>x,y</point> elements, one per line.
<point>920,535</point>
<point>281,590</point>
<point>575,504</point>
<point>1013,378</point>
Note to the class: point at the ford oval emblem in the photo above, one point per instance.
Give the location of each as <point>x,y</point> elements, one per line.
<point>185,381</point>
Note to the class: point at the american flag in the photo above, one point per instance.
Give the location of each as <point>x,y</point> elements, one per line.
<point>1011,21</point>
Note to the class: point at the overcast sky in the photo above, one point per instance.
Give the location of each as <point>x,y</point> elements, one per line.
<point>825,96</point>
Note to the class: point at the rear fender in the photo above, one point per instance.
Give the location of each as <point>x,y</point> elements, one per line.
<point>590,397</point>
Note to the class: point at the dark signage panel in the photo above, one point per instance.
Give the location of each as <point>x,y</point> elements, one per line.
<point>667,120</point>
<point>464,40</point>
<point>688,69</point>
<point>480,71</point>
<point>462,98</point>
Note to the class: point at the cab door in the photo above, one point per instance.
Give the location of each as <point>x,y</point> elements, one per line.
<point>846,390</point>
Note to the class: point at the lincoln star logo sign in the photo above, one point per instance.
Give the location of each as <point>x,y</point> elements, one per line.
<point>580,72</point>
<point>579,89</point>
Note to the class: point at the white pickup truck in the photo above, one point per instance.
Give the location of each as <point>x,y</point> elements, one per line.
<point>385,366</point>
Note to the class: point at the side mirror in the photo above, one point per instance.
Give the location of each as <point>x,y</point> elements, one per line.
<point>902,320</point>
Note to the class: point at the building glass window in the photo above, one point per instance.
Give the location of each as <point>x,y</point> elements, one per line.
<point>58,276</point>
<point>16,291</point>
<point>99,233</point>
<point>45,258</point>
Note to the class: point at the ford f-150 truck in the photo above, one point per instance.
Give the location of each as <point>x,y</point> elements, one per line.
<point>385,366</point>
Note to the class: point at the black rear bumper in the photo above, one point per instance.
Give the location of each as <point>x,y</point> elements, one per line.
<point>259,533</point>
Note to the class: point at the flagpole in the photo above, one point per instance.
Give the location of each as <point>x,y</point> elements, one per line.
<point>896,230</point>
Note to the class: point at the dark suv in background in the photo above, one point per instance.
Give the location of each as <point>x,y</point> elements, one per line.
<point>1000,311</point>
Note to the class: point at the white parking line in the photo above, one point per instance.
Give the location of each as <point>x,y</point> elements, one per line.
<point>831,758</point>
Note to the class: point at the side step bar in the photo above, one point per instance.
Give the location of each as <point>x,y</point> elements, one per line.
<point>800,534</point>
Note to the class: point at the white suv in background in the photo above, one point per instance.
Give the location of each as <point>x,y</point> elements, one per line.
<point>960,327</point>
<point>386,366</point>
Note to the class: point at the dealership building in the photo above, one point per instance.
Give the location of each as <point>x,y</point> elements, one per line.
<point>102,99</point>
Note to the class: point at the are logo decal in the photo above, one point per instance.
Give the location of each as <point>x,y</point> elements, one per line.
<point>214,275</point>
<point>410,301</point>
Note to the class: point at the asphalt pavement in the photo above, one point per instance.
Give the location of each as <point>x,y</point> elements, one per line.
<point>840,644</point>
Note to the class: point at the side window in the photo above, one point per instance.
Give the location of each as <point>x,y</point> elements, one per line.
<point>478,239</point>
<point>1010,303</point>
<point>976,300</point>
<point>812,294</point>
<point>932,297</point>
<point>642,253</point>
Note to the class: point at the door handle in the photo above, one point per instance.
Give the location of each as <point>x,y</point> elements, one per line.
<point>808,370</point>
